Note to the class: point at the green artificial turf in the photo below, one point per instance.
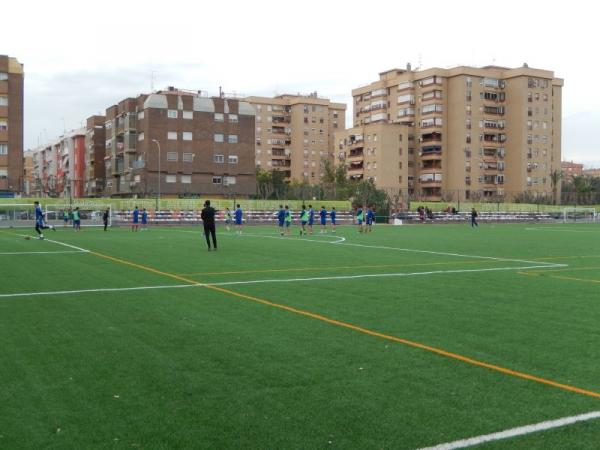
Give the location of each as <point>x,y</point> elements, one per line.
<point>229,367</point>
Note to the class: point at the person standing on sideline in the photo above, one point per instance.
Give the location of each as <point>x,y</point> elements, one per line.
<point>311,218</point>
<point>303,220</point>
<point>105,218</point>
<point>332,216</point>
<point>238,219</point>
<point>77,219</point>
<point>208,220</point>
<point>370,219</point>
<point>474,218</point>
<point>281,219</point>
<point>323,216</point>
<point>359,219</point>
<point>135,219</point>
<point>144,219</point>
<point>40,224</point>
<point>288,219</point>
<point>227,218</point>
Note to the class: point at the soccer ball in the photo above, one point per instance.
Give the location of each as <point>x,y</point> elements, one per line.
<point>27,238</point>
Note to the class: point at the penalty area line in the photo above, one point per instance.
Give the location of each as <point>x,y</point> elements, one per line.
<point>514,432</point>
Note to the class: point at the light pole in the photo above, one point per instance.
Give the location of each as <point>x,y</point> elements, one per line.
<point>158,192</point>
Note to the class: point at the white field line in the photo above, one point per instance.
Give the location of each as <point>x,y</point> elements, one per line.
<point>79,249</point>
<point>564,230</point>
<point>519,431</point>
<point>40,253</point>
<point>278,236</point>
<point>275,280</point>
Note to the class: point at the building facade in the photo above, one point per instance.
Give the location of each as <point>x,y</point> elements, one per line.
<point>95,151</point>
<point>478,132</point>
<point>180,143</point>
<point>571,169</point>
<point>28,170</point>
<point>294,133</point>
<point>11,126</point>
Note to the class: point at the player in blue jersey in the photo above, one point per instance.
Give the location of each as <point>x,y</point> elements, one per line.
<point>238,219</point>
<point>370,219</point>
<point>332,214</point>
<point>281,219</point>
<point>40,223</point>
<point>135,221</point>
<point>323,217</point>
<point>144,219</point>
<point>311,218</point>
<point>303,220</point>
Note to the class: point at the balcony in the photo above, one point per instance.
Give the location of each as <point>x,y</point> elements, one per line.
<point>356,153</point>
<point>431,137</point>
<point>281,163</point>
<point>282,118</point>
<point>138,165</point>
<point>355,166</point>
<point>357,144</point>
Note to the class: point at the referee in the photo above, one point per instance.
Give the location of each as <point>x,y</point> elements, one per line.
<point>208,219</point>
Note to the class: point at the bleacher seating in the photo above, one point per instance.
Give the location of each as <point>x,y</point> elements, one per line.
<point>483,216</point>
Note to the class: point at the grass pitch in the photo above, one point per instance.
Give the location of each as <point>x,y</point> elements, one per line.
<point>406,337</point>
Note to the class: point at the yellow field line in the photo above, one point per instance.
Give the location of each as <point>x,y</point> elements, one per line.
<point>366,331</point>
<point>304,269</point>
<point>585,280</point>
<point>566,269</point>
<point>565,257</point>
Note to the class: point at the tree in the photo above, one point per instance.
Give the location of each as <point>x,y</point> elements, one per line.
<point>365,193</point>
<point>555,177</point>
<point>264,183</point>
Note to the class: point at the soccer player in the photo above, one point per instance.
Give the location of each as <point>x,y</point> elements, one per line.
<point>281,218</point>
<point>303,220</point>
<point>135,220</point>
<point>77,219</point>
<point>144,219</point>
<point>359,219</point>
<point>474,218</point>
<point>208,220</point>
<point>40,224</point>
<point>370,219</point>
<point>238,219</point>
<point>65,217</point>
<point>105,218</point>
<point>227,218</point>
<point>332,216</point>
<point>288,219</point>
<point>311,218</point>
<point>323,216</point>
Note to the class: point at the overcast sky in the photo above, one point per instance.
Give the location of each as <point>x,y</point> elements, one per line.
<point>81,57</point>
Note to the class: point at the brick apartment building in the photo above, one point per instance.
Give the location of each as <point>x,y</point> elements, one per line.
<point>473,132</point>
<point>11,126</point>
<point>571,169</point>
<point>95,150</point>
<point>295,132</point>
<point>206,146</point>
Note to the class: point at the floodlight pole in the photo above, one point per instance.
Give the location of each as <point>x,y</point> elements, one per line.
<point>158,192</point>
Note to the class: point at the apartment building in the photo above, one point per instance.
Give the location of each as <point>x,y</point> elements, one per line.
<point>11,126</point>
<point>28,178</point>
<point>59,167</point>
<point>294,133</point>
<point>571,169</point>
<point>591,172</point>
<point>478,132</point>
<point>180,143</point>
<point>95,142</point>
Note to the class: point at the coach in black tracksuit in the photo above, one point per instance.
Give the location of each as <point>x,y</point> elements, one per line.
<point>208,219</point>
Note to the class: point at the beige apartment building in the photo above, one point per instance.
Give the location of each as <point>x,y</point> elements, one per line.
<point>11,126</point>
<point>474,132</point>
<point>294,133</point>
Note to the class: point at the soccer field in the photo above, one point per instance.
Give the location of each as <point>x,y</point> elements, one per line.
<point>403,338</point>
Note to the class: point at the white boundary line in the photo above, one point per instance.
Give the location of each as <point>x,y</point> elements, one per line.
<point>564,230</point>
<point>519,431</point>
<point>275,280</point>
<point>40,253</point>
<point>79,249</point>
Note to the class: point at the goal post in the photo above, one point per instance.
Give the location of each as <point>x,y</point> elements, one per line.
<point>22,215</point>
<point>579,214</point>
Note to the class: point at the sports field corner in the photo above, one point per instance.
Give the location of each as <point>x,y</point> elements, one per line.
<point>405,337</point>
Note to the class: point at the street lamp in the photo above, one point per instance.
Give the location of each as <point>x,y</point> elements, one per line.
<point>158,196</point>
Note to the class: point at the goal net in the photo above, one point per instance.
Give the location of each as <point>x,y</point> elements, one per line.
<point>23,215</point>
<point>580,215</point>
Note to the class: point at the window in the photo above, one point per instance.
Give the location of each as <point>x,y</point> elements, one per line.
<point>3,100</point>
<point>229,180</point>
<point>141,136</point>
<point>3,76</point>
<point>431,108</point>
<point>217,180</point>
<point>232,139</point>
<point>3,173</point>
<point>218,159</point>
<point>140,115</point>
<point>186,135</point>
<point>405,85</point>
<point>187,114</point>
<point>171,156</point>
<point>172,114</point>
<point>188,157</point>
<point>171,179</point>
<point>172,135</point>
<point>3,149</point>
<point>219,137</point>
<point>219,117</point>
<point>233,118</point>
<point>232,159</point>
<point>468,82</point>
<point>186,179</point>
<point>406,98</point>
<point>3,125</point>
